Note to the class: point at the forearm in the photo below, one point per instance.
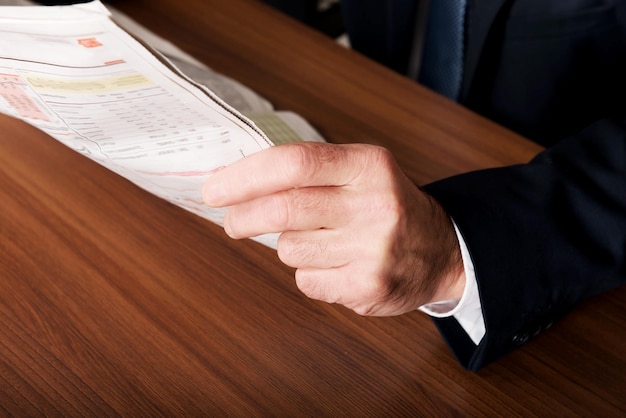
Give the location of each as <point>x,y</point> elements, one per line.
<point>542,236</point>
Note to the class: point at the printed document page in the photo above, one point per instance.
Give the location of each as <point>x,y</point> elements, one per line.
<point>73,73</point>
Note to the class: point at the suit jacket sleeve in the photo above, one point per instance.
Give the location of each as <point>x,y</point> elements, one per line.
<point>542,236</point>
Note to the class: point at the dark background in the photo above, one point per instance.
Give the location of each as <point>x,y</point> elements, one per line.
<point>327,21</point>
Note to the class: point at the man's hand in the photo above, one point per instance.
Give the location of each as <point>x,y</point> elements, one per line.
<point>357,230</point>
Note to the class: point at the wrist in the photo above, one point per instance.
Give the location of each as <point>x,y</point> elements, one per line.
<point>451,282</point>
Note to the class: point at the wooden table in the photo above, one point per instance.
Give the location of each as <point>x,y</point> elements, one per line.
<point>113,301</point>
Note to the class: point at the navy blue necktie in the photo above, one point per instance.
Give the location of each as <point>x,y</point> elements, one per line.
<point>442,59</point>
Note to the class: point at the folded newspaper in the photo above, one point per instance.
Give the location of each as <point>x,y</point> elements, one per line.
<point>74,73</point>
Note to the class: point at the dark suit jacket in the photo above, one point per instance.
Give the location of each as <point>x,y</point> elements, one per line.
<point>545,235</point>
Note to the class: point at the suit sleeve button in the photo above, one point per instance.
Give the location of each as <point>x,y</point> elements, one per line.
<point>520,338</point>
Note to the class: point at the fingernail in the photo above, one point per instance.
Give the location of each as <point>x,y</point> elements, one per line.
<point>212,190</point>
<point>228,230</point>
<point>211,193</point>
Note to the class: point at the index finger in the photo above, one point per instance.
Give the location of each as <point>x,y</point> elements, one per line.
<point>283,167</point>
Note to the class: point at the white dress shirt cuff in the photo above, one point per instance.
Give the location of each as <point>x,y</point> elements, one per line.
<point>467,310</point>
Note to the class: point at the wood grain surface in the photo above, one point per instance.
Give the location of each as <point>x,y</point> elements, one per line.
<point>114,302</point>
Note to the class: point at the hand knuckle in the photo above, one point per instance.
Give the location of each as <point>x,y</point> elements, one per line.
<point>297,252</point>
<point>306,159</point>
<point>300,162</point>
<point>310,287</point>
<point>288,250</point>
<point>364,310</point>
<point>279,212</point>
<point>377,156</point>
<point>374,293</point>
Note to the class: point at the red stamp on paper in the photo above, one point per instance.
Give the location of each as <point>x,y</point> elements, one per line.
<point>120,61</point>
<point>89,42</point>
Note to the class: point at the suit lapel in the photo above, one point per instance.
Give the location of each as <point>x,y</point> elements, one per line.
<point>482,16</point>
